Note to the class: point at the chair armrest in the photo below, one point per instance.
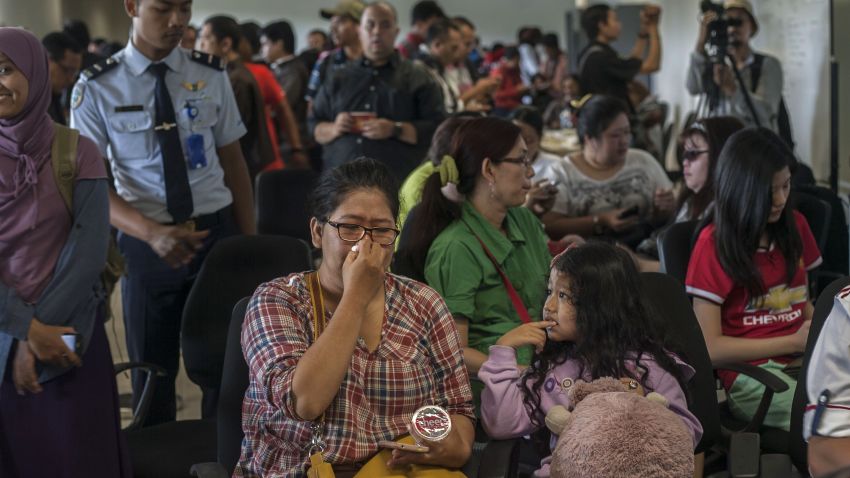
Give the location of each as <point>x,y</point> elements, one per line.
<point>208,470</point>
<point>743,458</point>
<point>500,459</point>
<point>772,384</point>
<point>151,372</point>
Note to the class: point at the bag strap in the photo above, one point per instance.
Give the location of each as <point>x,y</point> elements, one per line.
<point>755,70</point>
<point>314,286</point>
<point>63,158</point>
<point>512,293</point>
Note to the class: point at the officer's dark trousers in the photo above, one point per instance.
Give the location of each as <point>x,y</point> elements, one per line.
<point>153,296</point>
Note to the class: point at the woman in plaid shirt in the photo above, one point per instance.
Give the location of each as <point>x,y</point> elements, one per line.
<point>389,347</point>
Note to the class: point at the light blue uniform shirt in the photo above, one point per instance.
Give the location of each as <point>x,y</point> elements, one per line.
<point>116,110</point>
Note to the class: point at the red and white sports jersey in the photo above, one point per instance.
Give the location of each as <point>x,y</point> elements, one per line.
<point>779,312</point>
<point>828,376</point>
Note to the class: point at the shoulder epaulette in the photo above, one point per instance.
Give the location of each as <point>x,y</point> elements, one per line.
<point>206,59</point>
<point>99,68</point>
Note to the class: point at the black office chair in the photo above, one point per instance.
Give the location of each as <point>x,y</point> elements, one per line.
<point>798,446</point>
<point>234,383</point>
<point>817,213</point>
<point>740,447</point>
<point>281,202</point>
<point>674,248</point>
<point>233,269</point>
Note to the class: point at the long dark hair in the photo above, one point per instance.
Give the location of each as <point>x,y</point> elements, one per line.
<point>474,141</point>
<point>612,321</point>
<point>743,200</point>
<point>715,131</point>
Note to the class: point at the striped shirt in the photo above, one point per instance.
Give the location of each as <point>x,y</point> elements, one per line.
<point>418,362</point>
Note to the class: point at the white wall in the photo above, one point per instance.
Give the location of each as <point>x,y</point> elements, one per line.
<point>497,20</point>
<point>38,16</point>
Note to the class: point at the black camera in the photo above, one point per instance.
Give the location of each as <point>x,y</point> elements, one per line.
<point>718,36</point>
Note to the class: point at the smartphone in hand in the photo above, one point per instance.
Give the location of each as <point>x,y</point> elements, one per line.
<point>632,211</point>
<point>72,341</point>
<point>403,446</point>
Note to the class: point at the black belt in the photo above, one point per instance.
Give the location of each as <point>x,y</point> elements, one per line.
<point>207,221</point>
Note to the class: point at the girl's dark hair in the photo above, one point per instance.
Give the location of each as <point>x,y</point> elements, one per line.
<point>715,131</point>
<point>612,320</point>
<point>530,116</point>
<point>743,200</point>
<point>474,140</point>
<point>363,173</point>
<point>597,114</point>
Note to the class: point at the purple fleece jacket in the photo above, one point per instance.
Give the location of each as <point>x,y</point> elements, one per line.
<point>504,415</point>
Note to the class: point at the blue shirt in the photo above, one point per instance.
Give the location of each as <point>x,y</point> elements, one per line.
<point>116,109</point>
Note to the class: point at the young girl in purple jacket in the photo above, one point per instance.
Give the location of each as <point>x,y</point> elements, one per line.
<point>595,324</point>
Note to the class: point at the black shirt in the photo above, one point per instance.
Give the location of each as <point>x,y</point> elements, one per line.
<point>398,91</point>
<point>603,71</point>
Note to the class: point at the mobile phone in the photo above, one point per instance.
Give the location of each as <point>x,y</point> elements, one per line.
<point>403,446</point>
<point>632,211</point>
<point>72,341</point>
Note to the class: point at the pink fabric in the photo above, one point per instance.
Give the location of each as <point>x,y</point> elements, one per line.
<point>35,222</point>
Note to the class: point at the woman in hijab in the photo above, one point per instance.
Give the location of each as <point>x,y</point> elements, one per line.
<point>58,401</point>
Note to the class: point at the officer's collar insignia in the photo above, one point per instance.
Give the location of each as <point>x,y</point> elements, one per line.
<point>77,95</point>
<point>194,86</point>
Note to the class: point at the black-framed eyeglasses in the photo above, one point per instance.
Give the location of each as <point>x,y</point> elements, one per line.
<point>692,154</point>
<point>384,236</point>
<point>523,160</point>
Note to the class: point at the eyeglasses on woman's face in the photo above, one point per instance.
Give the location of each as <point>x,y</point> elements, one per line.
<point>523,160</point>
<point>693,154</point>
<point>384,236</point>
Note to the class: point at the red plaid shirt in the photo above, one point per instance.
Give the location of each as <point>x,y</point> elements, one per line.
<point>418,362</point>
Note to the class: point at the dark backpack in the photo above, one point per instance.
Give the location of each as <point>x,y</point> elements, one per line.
<point>783,121</point>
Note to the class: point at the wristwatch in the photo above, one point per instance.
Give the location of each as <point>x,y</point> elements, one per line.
<point>398,128</point>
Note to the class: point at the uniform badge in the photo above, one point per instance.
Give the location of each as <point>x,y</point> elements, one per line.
<point>77,95</point>
<point>194,86</point>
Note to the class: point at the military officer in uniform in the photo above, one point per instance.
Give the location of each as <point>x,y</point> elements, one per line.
<point>167,121</point>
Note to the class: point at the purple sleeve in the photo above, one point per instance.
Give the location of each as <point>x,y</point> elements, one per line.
<point>502,411</point>
<point>660,381</point>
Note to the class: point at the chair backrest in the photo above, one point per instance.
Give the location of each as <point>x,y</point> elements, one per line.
<point>403,263</point>
<point>797,446</point>
<point>670,305</point>
<point>674,248</point>
<point>836,253</point>
<point>233,269</point>
<point>282,202</point>
<point>817,214</point>
<point>234,383</point>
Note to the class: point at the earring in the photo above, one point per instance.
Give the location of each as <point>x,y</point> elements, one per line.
<point>492,190</point>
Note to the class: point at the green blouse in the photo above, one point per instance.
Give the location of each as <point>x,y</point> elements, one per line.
<point>459,269</point>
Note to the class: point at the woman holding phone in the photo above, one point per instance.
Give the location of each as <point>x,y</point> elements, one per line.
<point>58,397</point>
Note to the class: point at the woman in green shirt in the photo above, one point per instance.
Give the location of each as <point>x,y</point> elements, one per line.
<point>494,175</point>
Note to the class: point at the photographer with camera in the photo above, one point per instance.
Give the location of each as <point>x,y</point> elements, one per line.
<point>735,80</point>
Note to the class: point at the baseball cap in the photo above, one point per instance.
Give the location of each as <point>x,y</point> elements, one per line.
<point>349,8</point>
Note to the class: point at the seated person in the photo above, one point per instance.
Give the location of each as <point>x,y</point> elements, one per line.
<point>389,345</point>
<point>607,188</point>
<point>468,245</point>
<point>559,113</point>
<point>594,324</point>
<point>703,141</point>
<point>826,425</point>
<point>747,272</point>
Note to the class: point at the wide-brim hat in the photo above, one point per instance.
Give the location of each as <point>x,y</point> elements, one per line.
<point>746,6</point>
<point>348,8</point>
